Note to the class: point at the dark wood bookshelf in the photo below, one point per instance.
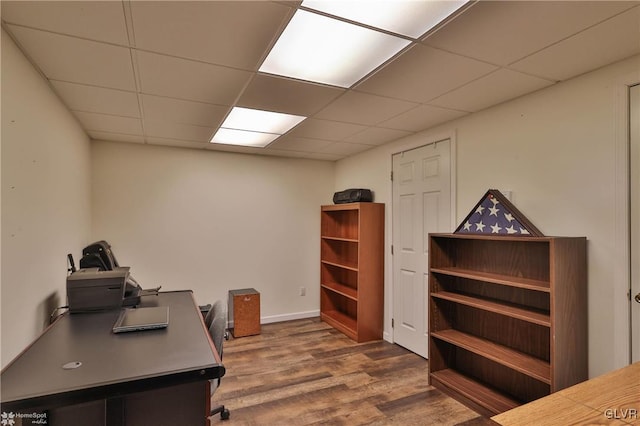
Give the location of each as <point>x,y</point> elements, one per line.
<point>507,317</point>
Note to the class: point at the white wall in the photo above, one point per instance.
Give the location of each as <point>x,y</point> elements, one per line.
<point>45,199</point>
<point>559,151</point>
<point>212,221</point>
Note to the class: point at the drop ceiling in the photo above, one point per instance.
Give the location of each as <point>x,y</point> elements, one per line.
<point>169,72</point>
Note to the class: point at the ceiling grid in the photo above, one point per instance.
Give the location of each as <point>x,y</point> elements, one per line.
<point>170,72</point>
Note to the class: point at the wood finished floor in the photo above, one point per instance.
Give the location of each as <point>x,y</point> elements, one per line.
<point>304,372</point>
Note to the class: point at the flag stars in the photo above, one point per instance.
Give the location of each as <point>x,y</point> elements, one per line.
<point>493,217</point>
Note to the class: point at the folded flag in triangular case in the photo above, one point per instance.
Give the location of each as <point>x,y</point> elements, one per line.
<point>496,215</point>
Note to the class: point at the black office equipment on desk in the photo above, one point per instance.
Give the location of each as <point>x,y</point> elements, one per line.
<point>101,283</point>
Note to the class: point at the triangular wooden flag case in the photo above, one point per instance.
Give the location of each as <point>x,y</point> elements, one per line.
<point>496,215</point>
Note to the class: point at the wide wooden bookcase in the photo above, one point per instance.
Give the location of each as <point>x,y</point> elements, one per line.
<point>352,269</point>
<point>507,317</point>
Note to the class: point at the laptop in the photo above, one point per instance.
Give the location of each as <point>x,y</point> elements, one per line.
<point>137,319</point>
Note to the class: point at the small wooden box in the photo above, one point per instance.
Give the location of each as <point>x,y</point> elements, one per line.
<point>244,312</point>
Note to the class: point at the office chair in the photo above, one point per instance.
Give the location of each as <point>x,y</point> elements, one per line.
<point>208,317</point>
<point>218,333</point>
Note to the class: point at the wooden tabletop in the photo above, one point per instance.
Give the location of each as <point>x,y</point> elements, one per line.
<point>610,399</point>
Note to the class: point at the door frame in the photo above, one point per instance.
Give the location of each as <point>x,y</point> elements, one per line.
<point>622,247</point>
<point>413,143</point>
<point>634,346</point>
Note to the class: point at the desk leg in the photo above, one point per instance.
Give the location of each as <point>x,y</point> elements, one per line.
<point>114,414</point>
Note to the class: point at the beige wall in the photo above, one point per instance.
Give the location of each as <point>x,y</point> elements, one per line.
<point>561,153</point>
<point>212,221</point>
<point>45,199</point>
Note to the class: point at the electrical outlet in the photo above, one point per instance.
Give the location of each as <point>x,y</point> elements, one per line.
<point>303,291</point>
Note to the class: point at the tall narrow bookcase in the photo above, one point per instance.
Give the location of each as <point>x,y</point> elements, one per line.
<point>507,317</point>
<point>352,269</point>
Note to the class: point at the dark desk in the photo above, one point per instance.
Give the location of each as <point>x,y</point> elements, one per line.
<point>122,376</point>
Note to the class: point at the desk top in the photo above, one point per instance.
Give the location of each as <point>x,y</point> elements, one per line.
<point>112,364</point>
<point>611,399</point>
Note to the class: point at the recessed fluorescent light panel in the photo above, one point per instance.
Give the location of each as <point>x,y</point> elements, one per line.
<point>317,48</point>
<point>410,18</point>
<point>252,127</point>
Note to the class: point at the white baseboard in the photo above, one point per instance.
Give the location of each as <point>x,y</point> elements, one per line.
<point>285,317</point>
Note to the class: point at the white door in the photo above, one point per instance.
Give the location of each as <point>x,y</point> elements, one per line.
<point>634,190</point>
<point>421,204</point>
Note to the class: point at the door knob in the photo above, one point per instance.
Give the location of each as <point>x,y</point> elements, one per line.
<point>637,297</point>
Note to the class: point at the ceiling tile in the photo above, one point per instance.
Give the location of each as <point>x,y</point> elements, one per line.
<point>177,143</point>
<point>115,137</point>
<point>422,118</point>
<point>189,80</point>
<point>236,148</point>
<point>325,129</point>
<point>423,73</point>
<point>364,108</point>
<point>501,32</point>
<point>109,123</point>
<point>282,153</point>
<point>76,60</point>
<point>272,152</point>
<point>608,42</point>
<point>280,94</point>
<point>345,148</point>
<point>489,90</point>
<point>80,97</point>
<point>292,143</point>
<point>94,20</point>
<point>172,130</point>
<point>323,156</point>
<point>229,33</point>
<point>377,136</point>
<point>186,112</point>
